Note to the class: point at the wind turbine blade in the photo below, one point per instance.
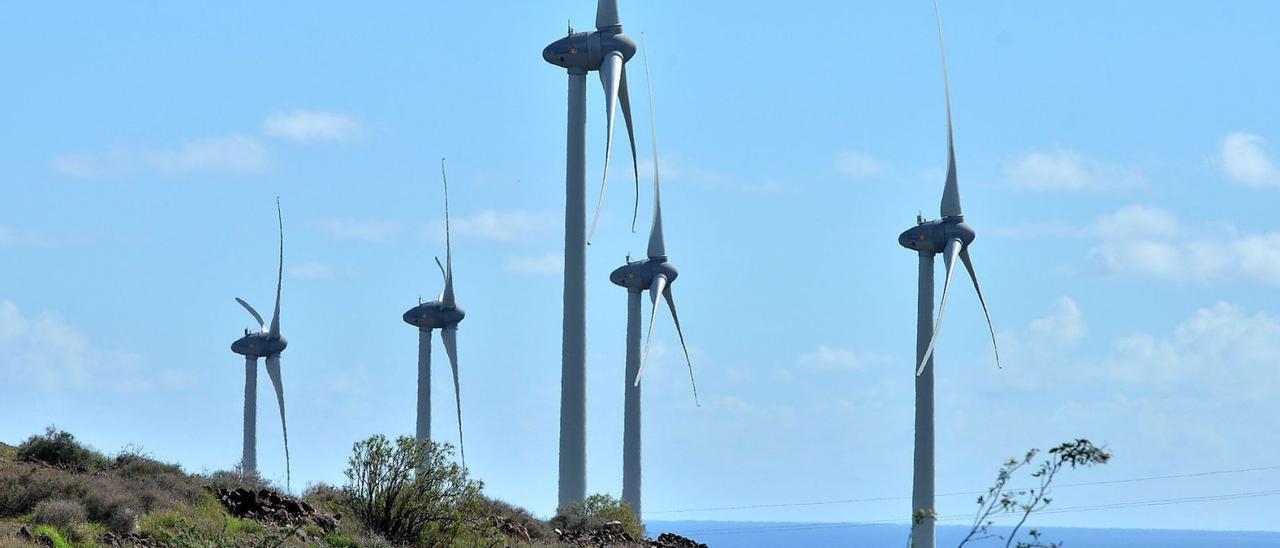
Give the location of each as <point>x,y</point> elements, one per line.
<point>948,258</point>
<point>256,316</point>
<point>275,319</point>
<point>443,274</point>
<point>611,78</point>
<point>447,297</point>
<point>607,14</point>
<point>671,303</point>
<point>968,265</point>
<point>273,370</point>
<point>951,191</point>
<point>657,245</point>
<point>450,337</point>
<point>655,289</point>
<point>624,100</point>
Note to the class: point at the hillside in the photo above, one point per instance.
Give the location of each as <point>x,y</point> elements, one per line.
<point>55,491</point>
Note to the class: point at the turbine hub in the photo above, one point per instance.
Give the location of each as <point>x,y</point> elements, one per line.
<point>586,50</point>
<point>433,315</point>
<point>638,276</point>
<point>259,345</point>
<point>932,236</point>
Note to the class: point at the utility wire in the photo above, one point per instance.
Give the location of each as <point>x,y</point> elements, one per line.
<point>963,493</point>
<point>958,517</point>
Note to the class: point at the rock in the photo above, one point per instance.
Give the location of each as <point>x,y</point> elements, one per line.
<point>129,539</point>
<point>513,530</point>
<point>669,540</point>
<point>272,507</point>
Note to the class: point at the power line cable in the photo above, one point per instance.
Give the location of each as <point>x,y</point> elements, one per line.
<point>963,493</point>
<point>957,517</point>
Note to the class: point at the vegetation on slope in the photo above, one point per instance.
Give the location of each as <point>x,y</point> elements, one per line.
<point>55,491</point>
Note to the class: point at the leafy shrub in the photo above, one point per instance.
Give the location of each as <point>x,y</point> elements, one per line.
<point>1022,502</point>
<point>238,477</point>
<point>324,495</point>
<point>597,510</point>
<point>86,533</point>
<point>60,449</point>
<point>338,540</point>
<point>133,462</point>
<point>411,493</point>
<point>60,513</point>
<point>52,536</point>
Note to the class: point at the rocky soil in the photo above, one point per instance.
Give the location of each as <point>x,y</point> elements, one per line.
<point>613,535</point>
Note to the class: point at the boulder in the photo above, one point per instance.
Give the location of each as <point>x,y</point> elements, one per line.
<point>272,507</point>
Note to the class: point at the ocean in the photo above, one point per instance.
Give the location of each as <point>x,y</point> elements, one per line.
<point>738,534</point>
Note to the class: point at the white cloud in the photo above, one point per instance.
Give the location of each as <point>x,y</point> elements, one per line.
<point>676,169</point>
<point>1145,241</point>
<point>1243,158</point>
<point>10,238</point>
<point>1138,221</point>
<point>1063,328</point>
<point>857,164</point>
<point>374,231</point>
<point>1221,348</point>
<point>828,358</point>
<point>306,126</point>
<point>236,153</point>
<point>541,265</point>
<point>43,348</point>
<point>500,226</point>
<point>1060,169</point>
<point>45,353</point>
<point>311,270</point>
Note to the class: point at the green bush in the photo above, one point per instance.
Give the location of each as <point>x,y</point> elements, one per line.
<point>52,536</point>
<point>411,493</point>
<point>239,478</point>
<point>597,510</point>
<point>60,449</point>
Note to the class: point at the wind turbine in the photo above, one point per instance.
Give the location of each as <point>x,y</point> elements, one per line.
<point>951,237</point>
<point>655,274</point>
<point>265,343</point>
<point>606,50</point>
<point>444,314</point>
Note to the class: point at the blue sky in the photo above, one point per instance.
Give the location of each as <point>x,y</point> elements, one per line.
<point>1119,162</point>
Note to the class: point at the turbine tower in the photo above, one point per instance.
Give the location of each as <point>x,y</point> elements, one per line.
<point>606,50</point>
<point>655,274</point>
<point>951,237</point>
<point>444,314</point>
<point>265,343</point>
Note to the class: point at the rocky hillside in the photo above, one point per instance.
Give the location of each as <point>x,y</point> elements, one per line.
<point>56,492</point>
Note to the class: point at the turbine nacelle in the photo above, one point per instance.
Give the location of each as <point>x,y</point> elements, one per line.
<point>259,345</point>
<point>932,236</point>
<point>639,275</point>
<point>434,315</point>
<point>586,50</point>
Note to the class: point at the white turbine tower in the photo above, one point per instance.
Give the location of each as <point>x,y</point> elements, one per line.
<point>655,274</point>
<point>951,237</point>
<point>265,343</point>
<point>443,314</point>
<point>606,50</point>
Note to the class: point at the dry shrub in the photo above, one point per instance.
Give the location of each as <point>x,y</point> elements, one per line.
<point>115,495</point>
<point>61,513</point>
<point>538,529</point>
<point>60,449</point>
